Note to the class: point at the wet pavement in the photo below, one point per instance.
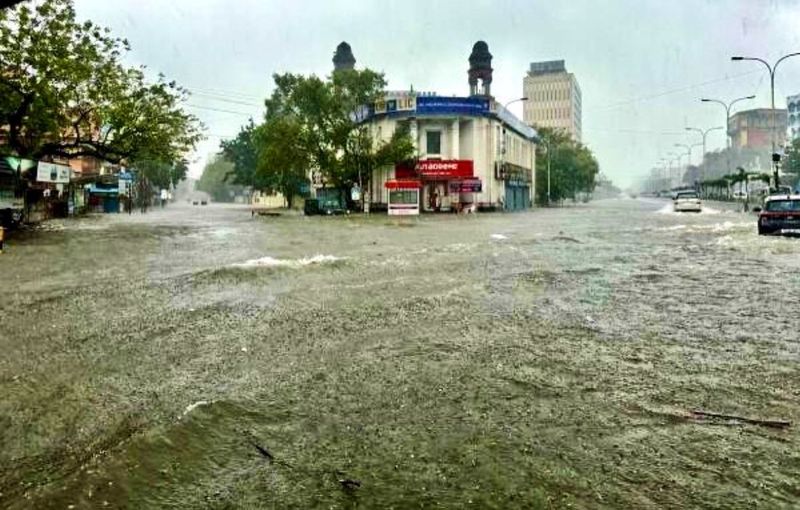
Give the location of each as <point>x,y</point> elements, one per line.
<point>196,357</point>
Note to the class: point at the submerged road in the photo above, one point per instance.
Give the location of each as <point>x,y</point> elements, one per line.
<point>195,357</point>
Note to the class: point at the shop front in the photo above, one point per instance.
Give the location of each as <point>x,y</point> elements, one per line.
<point>517,181</point>
<point>446,185</point>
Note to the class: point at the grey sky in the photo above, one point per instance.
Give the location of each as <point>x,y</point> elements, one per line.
<point>642,64</point>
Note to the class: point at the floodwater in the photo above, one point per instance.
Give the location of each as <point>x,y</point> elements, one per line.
<point>195,357</point>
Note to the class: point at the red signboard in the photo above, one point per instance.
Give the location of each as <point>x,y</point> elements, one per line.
<point>431,169</point>
<point>403,184</point>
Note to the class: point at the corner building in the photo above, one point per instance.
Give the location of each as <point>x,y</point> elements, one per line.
<point>471,151</point>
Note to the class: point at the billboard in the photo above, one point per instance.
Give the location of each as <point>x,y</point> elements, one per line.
<point>50,172</point>
<point>438,105</point>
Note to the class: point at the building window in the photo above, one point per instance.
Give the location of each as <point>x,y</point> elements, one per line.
<point>433,142</point>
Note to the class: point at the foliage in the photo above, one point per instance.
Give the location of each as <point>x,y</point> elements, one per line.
<point>791,162</point>
<point>158,173</point>
<point>214,180</point>
<point>282,160</point>
<point>311,123</point>
<point>65,93</point>
<point>241,152</point>
<point>573,167</point>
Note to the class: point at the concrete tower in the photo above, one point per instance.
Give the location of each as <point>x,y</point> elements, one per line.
<point>343,58</point>
<point>480,68</point>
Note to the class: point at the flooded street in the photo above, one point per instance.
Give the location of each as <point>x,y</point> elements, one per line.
<point>196,357</point>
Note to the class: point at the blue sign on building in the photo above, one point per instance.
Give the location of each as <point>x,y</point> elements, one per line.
<point>434,105</point>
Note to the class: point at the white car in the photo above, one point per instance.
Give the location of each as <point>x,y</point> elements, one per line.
<point>687,201</point>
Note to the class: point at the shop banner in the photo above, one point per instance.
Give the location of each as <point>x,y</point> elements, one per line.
<point>403,184</point>
<point>466,186</point>
<point>436,169</point>
<point>433,105</point>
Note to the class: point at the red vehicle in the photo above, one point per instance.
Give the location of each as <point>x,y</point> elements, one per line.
<point>780,215</point>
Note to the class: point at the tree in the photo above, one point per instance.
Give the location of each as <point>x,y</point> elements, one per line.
<point>282,159</point>
<point>214,180</point>
<point>311,123</point>
<point>573,167</point>
<point>791,164</point>
<point>241,152</point>
<point>65,93</point>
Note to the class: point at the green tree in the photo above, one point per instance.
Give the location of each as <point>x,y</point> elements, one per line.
<point>573,167</point>
<point>214,180</point>
<point>241,152</point>
<point>282,160</point>
<point>311,123</point>
<point>791,164</point>
<point>64,92</point>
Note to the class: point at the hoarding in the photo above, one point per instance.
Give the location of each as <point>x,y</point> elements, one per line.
<point>433,105</point>
<point>50,172</point>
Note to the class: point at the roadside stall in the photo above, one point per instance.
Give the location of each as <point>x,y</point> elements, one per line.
<point>403,197</point>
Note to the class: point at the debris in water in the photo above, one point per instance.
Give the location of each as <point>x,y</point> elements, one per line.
<point>194,406</point>
<point>778,424</point>
<point>350,485</point>
<point>263,451</point>
<point>499,237</point>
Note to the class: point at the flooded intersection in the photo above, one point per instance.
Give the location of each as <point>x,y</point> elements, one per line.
<point>196,357</point>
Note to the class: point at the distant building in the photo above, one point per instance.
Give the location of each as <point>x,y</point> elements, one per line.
<point>554,98</point>
<point>793,127</point>
<point>752,129</point>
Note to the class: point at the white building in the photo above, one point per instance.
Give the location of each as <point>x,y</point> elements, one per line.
<point>471,151</point>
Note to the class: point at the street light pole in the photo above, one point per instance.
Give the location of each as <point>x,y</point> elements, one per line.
<point>703,133</point>
<point>772,68</point>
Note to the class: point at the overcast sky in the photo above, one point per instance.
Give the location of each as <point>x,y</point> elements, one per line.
<point>642,64</point>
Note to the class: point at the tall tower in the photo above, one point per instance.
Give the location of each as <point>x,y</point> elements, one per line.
<point>480,68</point>
<point>343,59</point>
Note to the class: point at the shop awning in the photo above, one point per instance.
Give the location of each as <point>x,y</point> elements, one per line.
<point>403,184</point>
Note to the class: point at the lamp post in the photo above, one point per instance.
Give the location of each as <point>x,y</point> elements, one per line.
<point>704,134</point>
<point>727,107</point>
<point>688,151</point>
<point>772,69</point>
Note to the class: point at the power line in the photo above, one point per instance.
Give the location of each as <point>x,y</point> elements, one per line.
<point>228,93</point>
<point>218,110</point>
<point>226,100</point>
<point>672,91</point>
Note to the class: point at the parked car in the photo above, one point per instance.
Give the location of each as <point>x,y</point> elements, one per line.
<point>740,195</point>
<point>780,215</point>
<point>328,207</point>
<point>687,201</point>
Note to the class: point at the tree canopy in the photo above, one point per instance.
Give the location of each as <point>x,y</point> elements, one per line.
<point>314,124</point>
<point>64,92</point>
<point>573,167</point>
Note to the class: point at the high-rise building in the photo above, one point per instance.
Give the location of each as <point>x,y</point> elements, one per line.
<point>793,106</point>
<point>554,98</point>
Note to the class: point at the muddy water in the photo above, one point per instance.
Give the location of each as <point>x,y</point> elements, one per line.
<point>198,358</point>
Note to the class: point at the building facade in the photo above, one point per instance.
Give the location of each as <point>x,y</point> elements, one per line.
<point>752,129</point>
<point>554,98</point>
<point>471,152</point>
<point>793,124</point>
